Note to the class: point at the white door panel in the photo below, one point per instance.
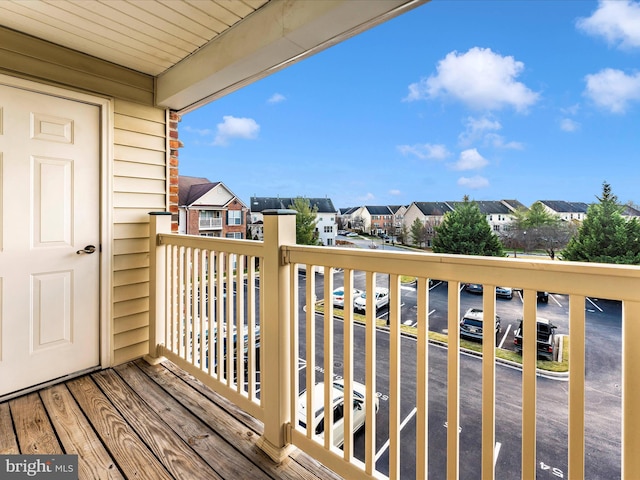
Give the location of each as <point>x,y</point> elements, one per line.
<point>49,210</point>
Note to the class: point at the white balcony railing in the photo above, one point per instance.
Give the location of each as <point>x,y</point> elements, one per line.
<point>262,304</point>
<point>210,223</point>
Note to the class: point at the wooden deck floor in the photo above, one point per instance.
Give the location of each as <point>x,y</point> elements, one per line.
<point>145,422</point>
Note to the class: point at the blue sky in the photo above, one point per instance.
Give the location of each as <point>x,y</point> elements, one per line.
<point>527,100</point>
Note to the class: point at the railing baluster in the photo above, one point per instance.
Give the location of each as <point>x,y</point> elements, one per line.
<point>204,306</point>
<point>310,354</point>
<point>230,319</point>
<point>630,389</point>
<point>529,358</point>
<point>394,376</point>
<point>422,385</point>
<point>453,381</point>
<point>488,383</point>
<point>182,304</point>
<point>219,336</point>
<point>370,374</point>
<point>294,344</point>
<point>576,385</point>
<point>328,357</point>
<point>251,327</point>
<point>240,343</point>
<point>347,369</point>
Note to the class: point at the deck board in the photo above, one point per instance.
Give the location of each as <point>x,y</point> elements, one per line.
<point>77,436</point>
<point>138,421</point>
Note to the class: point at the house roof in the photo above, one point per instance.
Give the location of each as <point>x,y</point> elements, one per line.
<point>348,210</point>
<point>433,208</point>
<point>561,206</point>
<point>514,204</point>
<point>195,52</point>
<point>191,189</point>
<point>378,209</point>
<point>259,204</point>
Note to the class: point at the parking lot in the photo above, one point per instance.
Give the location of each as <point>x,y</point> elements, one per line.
<point>603,379</point>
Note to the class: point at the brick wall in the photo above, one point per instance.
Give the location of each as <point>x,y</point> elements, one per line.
<point>174,145</point>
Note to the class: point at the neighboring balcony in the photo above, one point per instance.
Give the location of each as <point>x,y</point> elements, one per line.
<point>208,223</point>
<point>438,410</point>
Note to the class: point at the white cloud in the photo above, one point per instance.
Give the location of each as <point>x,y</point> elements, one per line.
<point>497,141</point>
<point>276,98</point>
<point>395,192</point>
<point>470,160</point>
<point>568,125</point>
<point>473,183</point>
<point>368,196</point>
<point>613,89</point>
<point>425,151</point>
<point>476,128</point>
<point>479,78</point>
<point>203,132</point>
<point>618,22</point>
<point>572,110</point>
<point>234,127</point>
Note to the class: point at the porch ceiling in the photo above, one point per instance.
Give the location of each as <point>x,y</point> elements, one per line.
<point>198,50</point>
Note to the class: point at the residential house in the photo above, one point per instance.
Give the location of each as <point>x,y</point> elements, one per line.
<point>210,209</point>
<point>499,214</point>
<point>568,211</point>
<point>398,212</point>
<point>630,212</point>
<point>345,217</point>
<point>430,214</point>
<point>373,219</point>
<point>326,213</point>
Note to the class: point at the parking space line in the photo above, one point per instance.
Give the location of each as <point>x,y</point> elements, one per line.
<point>416,323</point>
<point>404,422</point>
<point>593,303</point>
<point>555,300</point>
<point>496,452</point>
<point>504,337</point>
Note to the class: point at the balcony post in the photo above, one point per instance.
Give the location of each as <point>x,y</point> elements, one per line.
<point>159,222</point>
<point>279,230</point>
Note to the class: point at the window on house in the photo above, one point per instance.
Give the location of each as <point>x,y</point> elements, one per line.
<point>234,217</point>
<point>328,228</point>
<point>237,235</point>
<point>496,228</point>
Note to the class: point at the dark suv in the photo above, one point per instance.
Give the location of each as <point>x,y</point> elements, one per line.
<point>471,325</point>
<point>546,339</point>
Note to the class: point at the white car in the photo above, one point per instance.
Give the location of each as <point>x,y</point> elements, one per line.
<point>317,422</point>
<point>338,296</point>
<point>381,299</point>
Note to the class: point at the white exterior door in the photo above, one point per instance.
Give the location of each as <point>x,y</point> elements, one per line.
<point>49,210</point>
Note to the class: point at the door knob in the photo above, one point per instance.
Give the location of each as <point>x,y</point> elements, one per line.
<point>88,249</point>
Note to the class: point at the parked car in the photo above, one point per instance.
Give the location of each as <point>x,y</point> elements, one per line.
<point>472,324</point>
<point>381,299</point>
<point>338,296</point>
<point>352,234</point>
<point>317,425</point>
<point>504,292</point>
<point>546,339</point>
<point>473,287</point>
<point>342,232</point>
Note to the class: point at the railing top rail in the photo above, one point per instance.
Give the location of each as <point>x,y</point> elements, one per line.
<point>252,248</point>
<point>620,282</point>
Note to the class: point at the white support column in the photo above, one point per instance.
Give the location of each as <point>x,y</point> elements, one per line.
<point>279,230</point>
<point>159,222</point>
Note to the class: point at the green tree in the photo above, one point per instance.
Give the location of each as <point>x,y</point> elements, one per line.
<point>605,236</point>
<point>417,232</point>
<point>466,231</point>
<point>306,220</point>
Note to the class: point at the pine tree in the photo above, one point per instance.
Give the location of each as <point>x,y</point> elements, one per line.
<point>306,220</point>
<point>605,236</point>
<point>465,231</point>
